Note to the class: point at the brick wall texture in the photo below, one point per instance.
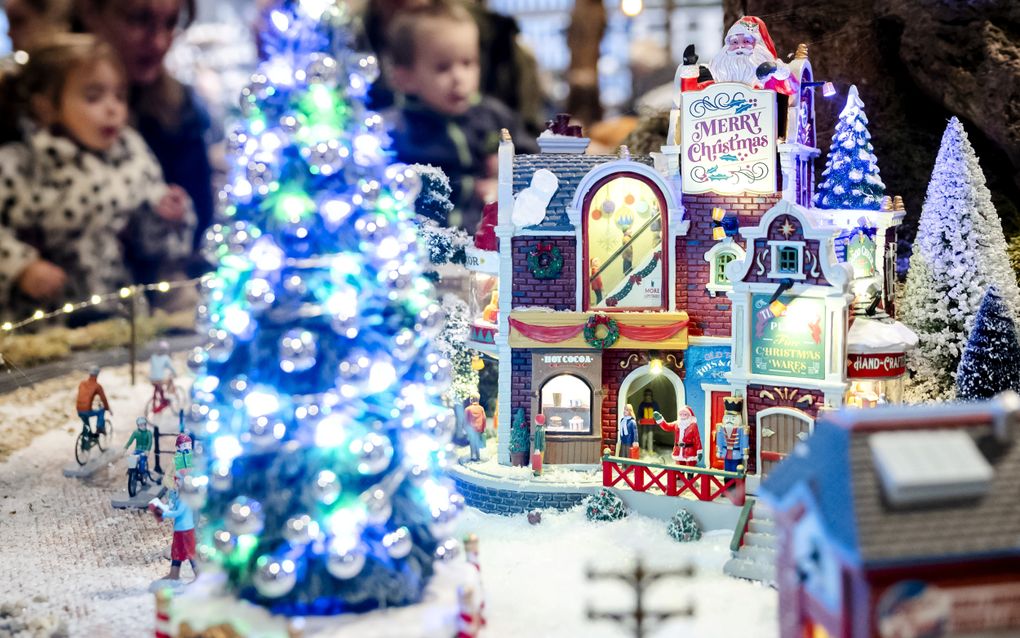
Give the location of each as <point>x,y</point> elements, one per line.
<point>508,501</point>
<point>710,315</point>
<point>520,383</point>
<point>794,398</point>
<point>559,293</point>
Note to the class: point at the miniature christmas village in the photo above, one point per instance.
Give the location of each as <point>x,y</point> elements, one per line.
<point>696,367</point>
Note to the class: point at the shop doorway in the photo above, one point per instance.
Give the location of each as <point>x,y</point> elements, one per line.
<point>646,392</point>
<point>779,430</point>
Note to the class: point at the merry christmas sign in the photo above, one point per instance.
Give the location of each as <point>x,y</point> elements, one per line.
<point>728,140</point>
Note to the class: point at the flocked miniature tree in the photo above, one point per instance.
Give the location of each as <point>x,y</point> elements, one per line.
<point>317,396</point>
<point>991,360</point>
<point>452,344</point>
<point>433,207</point>
<point>851,178</point>
<point>958,252</point>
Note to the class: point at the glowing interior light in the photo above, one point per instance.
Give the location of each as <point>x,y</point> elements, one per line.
<point>227,448</point>
<point>68,307</point>
<point>330,432</point>
<point>388,248</point>
<point>336,210</point>
<point>266,255</point>
<point>95,299</point>
<point>655,366</point>
<point>382,375</point>
<point>280,20</point>
<point>260,403</point>
<point>236,320</point>
<point>631,8</point>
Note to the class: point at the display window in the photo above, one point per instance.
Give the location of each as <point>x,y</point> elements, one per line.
<point>868,393</point>
<point>625,233</point>
<point>484,298</point>
<point>566,403</point>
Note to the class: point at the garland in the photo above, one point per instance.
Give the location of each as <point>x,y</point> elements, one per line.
<point>634,280</point>
<point>545,261</point>
<point>612,331</point>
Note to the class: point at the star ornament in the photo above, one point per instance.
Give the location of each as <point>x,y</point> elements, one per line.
<point>787,228</point>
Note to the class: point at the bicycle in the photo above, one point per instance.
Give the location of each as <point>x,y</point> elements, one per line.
<point>89,439</point>
<point>139,475</point>
<point>170,397</point>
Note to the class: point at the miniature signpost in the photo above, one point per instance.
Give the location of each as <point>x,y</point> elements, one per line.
<point>640,620</point>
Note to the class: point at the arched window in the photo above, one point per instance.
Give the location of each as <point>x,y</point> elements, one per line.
<point>625,245</point>
<point>566,402</point>
<point>721,254</point>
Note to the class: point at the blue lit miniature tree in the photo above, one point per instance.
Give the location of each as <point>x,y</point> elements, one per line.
<point>851,178</point>
<point>991,360</point>
<point>318,394</point>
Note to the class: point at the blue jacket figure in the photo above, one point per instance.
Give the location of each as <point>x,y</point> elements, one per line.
<point>183,546</point>
<point>628,431</point>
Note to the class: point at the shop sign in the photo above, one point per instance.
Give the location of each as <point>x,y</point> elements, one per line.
<point>481,260</point>
<point>876,366</point>
<point>861,255</point>
<point>917,608</point>
<point>791,344</point>
<point>568,359</point>
<point>728,140</point>
<point>708,364</point>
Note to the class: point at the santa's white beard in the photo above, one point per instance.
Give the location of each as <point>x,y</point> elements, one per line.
<point>730,67</point>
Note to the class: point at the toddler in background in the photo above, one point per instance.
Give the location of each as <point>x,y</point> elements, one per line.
<point>441,119</point>
<point>80,192</point>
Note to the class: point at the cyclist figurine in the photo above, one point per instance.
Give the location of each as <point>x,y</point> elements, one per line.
<point>161,371</point>
<point>142,438</point>
<point>87,392</point>
<point>182,458</point>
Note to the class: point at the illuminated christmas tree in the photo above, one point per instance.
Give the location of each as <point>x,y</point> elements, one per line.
<point>318,394</point>
<point>851,178</point>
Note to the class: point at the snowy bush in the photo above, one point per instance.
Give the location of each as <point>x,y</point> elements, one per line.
<point>683,527</point>
<point>959,251</point>
<point>604,506</point>
<point>991,360</point>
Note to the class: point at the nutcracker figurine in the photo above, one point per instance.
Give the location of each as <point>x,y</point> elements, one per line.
<point>686,436</point>
<point>731,435</point>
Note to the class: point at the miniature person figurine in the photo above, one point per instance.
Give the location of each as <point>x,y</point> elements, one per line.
<point>471,556</point>
<point>596,280</point>
<point>627,254</point>
<point>749,56</point>
<point>87,392</point>
<point>686,436</point>
<point>491,311</point>
<point>182,547</point>
<point>475,415</point>
<point>161,370</point>
<point>182,457</point>
<point>538,448</point>
<point>646,419</point>
<point>731,435</point>
<point>142,438</point>
<point>627,431</point>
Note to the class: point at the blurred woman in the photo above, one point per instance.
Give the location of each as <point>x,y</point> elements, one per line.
<point>32,21</point>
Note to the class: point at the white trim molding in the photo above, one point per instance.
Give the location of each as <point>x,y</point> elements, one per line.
<point>727,245</point>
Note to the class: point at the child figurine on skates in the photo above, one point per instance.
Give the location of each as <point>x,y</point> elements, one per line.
<point>182,548</point>
<point>142,438</point>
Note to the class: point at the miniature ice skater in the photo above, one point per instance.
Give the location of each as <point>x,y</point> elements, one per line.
<point>142,438</point>
<point>182,547</point>
<point>476,427</point>
<point>686,436</point>
<point>627,431</point>
<point>731,435</point>
<point>538,449</point>
<point>161,372</point>
<point>88,390</point>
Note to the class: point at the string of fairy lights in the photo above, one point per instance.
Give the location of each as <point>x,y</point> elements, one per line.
<point>125,293</point>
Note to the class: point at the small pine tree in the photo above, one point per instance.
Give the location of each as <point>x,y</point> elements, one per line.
<point>604,506</point>
<point>452,343</point>
<point>851,179</point>
<point>433,201</point>
<point>683,527</point>
<point>991,360</point>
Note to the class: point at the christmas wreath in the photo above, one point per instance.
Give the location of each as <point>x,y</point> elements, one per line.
<point>545,261</point>
<point>612,331</point>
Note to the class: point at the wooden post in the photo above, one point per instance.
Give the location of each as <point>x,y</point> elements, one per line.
<point>133,345</point>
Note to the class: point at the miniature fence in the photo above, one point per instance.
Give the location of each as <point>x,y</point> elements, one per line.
<point>674,480</point>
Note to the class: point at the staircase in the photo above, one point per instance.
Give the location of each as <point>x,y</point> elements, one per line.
<point>755,559</point>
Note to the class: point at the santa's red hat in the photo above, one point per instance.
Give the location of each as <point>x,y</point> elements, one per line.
<point>754,27</point>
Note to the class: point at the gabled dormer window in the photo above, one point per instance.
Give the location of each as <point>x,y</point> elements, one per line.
<point>718,257</point>
<point>787,260</point>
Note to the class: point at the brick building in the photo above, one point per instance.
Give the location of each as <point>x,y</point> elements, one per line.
<point>683,278</point>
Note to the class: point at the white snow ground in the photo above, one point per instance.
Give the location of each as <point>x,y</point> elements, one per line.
<point>70,565</point>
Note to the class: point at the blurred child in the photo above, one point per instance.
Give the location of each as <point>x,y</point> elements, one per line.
<point>441,118</point>
<point>79,191</point>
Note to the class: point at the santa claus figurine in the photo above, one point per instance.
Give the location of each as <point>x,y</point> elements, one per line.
<point>686,436</point>
<point>748,56</point>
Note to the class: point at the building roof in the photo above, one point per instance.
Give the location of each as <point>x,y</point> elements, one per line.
<point>570,169</point>
<point>837,467</point>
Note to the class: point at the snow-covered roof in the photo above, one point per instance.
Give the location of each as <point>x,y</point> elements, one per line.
<point>873,336</point>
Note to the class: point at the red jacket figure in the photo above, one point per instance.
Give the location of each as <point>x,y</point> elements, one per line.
<point>686,436</point>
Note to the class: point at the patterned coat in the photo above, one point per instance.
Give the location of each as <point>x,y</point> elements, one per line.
<point>86,212</point>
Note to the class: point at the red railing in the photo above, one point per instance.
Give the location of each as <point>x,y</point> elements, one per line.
<point>674,480</point>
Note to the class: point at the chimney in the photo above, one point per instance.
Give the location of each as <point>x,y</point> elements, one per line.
<point>560,136</point>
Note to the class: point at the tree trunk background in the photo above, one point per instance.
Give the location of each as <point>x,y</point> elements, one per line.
<point>915,63</point>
